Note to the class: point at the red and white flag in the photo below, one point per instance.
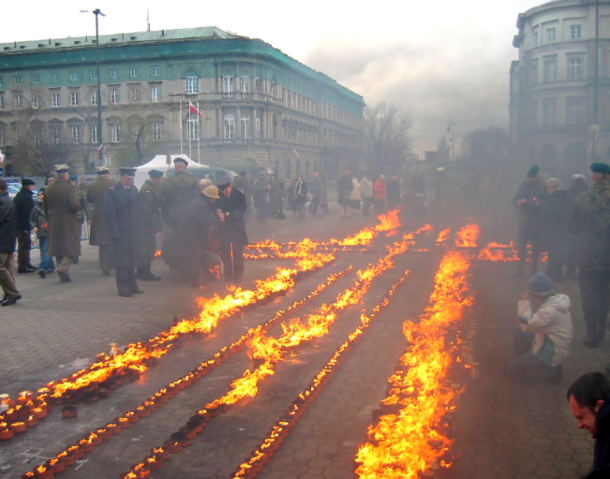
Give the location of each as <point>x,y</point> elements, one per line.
<point>1,157</point>
<point>295,153</point>
<point>194,110</point>
<point>100,148</point>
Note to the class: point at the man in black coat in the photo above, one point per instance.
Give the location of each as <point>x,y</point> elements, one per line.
<point>8,239</point>
<point>24,202</point>
<point>589,400</point>
<point>231,210</point>
<point>124,217</point>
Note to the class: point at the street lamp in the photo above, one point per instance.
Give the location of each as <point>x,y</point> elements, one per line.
<point>97,12</point>
<point>593,133</point>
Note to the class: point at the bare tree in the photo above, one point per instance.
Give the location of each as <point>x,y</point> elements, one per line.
<point>387,139</point>
<point>486,147</point>
<point>443,148</point>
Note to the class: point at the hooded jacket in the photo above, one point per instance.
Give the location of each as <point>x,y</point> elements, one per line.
<point>552,325</point>
<point>601,452</point>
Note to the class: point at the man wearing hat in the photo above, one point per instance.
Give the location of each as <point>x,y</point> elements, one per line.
<point>526,199</point>
<point>149,198</point>
<point>61,206</point>
<point>123,212</point>
<point>99,236</point>
<point>177,192</point>
<point>543,338</point>
<point>590,220</point>
<point>24,202</point>
<point>8,241</point>
<point>233,237</point>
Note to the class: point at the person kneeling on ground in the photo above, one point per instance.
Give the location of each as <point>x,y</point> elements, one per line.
<point>589,400</point>
<point>543,338</point>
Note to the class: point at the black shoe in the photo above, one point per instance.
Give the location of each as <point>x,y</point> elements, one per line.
<point>32,267</point>
<point>126,294</point>
<point>42,273</point>
<point>25,270</point>
<point>64,278</point>
<point>589,343</point>
<point>151,277</point>
<point>136,291</point>
<point>10,301</point>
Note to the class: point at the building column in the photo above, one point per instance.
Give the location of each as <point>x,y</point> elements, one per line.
<point>238,124</point>
<point>219,134</point>
<point>264,124</point>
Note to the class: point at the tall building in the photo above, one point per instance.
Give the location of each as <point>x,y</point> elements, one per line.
<point>559,87</point>
<point>220,98</point>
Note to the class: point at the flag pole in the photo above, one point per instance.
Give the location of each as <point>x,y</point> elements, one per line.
<point>188,131</point>
<point>181,135</point>
<point>198,135</point>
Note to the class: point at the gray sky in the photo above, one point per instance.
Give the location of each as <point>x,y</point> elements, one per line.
<point>437,60</point>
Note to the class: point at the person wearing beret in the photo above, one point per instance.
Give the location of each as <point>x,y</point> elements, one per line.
<point>177,192</point>
<point>527,199</point>
<point>99,236</point>
<point>24,202</point>
<point>149,198</point>
<point>231,210</point>
<point>590,220</point>
<point>123,212</point>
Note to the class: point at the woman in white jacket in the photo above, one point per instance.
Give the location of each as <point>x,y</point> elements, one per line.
<point>355,196</point>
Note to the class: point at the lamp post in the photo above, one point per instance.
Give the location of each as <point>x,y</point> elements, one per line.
<point>593,133</point>
<point>97,12</point>
<point>451,129</point>
<point>596,84</point>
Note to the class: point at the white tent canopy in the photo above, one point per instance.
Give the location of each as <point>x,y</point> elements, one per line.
<point>160,162</point>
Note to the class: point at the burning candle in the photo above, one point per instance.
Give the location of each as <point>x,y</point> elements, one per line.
<point>69,412</point>
<point>123,422</point>
<point>18,426</point>
<point>6,433</point>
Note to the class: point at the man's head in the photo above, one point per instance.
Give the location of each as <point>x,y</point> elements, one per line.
<point>3,185</point>
<point>28,184</point>
<point>41,195</point>
<point>578,179</point>
<point>50,180</point>
<point>316,175</point>
<point>601,172</point>
<point>346,174</point>
<point>533,174</point>
<point>224,185</point>
<point>102,171</point>
<point>180,164</point>
<point>127,174</point>
<point>368,175</point>
<point>204,183</point>
<point>261,175</point>
<point>552,185</point>
<point>72,179</point>
<point>381,178</point>
<point>63,171</point>
<point>242,173</point>
<point>585,396</point>
<point>155,176</point>
<point>540,287</point>
<point>211,192</point>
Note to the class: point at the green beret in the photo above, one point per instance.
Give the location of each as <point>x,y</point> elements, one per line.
<point>533,171</point>
<point>155,174</point>
<point>600,168</point>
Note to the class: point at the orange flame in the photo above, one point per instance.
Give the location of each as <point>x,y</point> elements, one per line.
<point>467,237</point>
<point>158,253</point>
<point>443,236</point>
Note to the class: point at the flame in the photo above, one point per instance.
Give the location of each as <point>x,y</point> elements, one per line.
<point>443,236</point>
<point>158,253</point>
<point>505,253</point>
<point>406,444</point>
<point>467,237</point>
<point>389,221</point>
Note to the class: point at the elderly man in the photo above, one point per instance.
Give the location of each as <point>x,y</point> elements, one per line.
<point>149,198</point>
<point>177,192</point>
<point>24,202</point>
<point>526,199</point>
<point>8,240</point>
<point>590,220</point>
<point>123,212</point>
<point>61,206</point>
<point>589,400</point>
<point>231,210</point>
<point>96,192</point>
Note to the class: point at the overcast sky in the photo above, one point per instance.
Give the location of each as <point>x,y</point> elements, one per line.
<point>437,60</point>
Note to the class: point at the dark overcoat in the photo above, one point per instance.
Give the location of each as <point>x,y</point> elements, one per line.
<point>234,206</point>
<point>124,218</point>
<point>96,192</point>
<point>554,211</point>
<point>8,224</point>
<point>24,202</point>
<point>61,206</point>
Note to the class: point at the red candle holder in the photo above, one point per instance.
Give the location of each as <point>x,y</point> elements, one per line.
<point>7,434</point>
<point>69,412</point>
<point>18,427</point>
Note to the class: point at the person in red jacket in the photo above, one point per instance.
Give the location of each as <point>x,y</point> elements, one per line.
<point>381,192</point>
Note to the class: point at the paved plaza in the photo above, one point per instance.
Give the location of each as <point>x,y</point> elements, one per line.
<point>501,429</point>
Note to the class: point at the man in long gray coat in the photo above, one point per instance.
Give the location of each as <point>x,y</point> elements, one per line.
<point>61,205</point>
<point>124,217</point>
<point>96,192</point>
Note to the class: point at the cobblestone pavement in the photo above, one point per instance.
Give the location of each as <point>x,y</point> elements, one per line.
<point>502,430</point>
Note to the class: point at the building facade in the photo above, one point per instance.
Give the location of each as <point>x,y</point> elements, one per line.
<point>558,87</point>
<point>222,99</point>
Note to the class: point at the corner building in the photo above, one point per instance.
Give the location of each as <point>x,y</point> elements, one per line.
<point>553,97</point>
<point>256,103</point>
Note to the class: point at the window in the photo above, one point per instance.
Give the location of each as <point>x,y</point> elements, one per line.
<point>193,126</point>
<point>35,101</point>
<point>551,35</point>
<point>55,100</point>
<point>36,78</point>
<point>245,84</point>
<point>73,76</point>
<point>74,98</point>
<point>134,72</point>
<point>18,101</point>
<point>114,74</point>
<point>1,137</point>
<point>245,127</point>
<point>575,32</point>
<point>93,75</point>
<point>534,79</point>
<point>38,138</point>
<point>1,82</point>
<point>155,71</point>
<point>114,96</point>
<point>192,83</point>
<point>157,132</point>
<point>257,85</point>
<point>548,112</point>
<point>133,95</point>
<point>576,110</point>
<point>76,132</point>
<point>536,39</point>
<point>227,82</point>
<point>55,77</point>
<point>575,71</point>
<point>155,93</point>
<point>257,126</point>
<point>229,127</point>
<point>550,71</point>
<point>17,80</point>
<point>1,102</point>
<point>94,135</point>
<point>115,133</point>
<point>56,135</point>
<point>94,97</point>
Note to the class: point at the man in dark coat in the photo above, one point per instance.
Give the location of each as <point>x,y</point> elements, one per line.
<point>61,206</point>
<point>578,186</point>
<point>124,218</point>
<point>149,199</point>
<point>261,191</point>
<point>233,237</point>
<point>590,220</point>
<point>589,400</point>
<point>8,240</point>
<point>554,235</point>
<point>177,192</point>
<point>24,202</point>
<point>243,184</point>
<point>344,188</point>
<point>96,192</point>
<point>526,199</point>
